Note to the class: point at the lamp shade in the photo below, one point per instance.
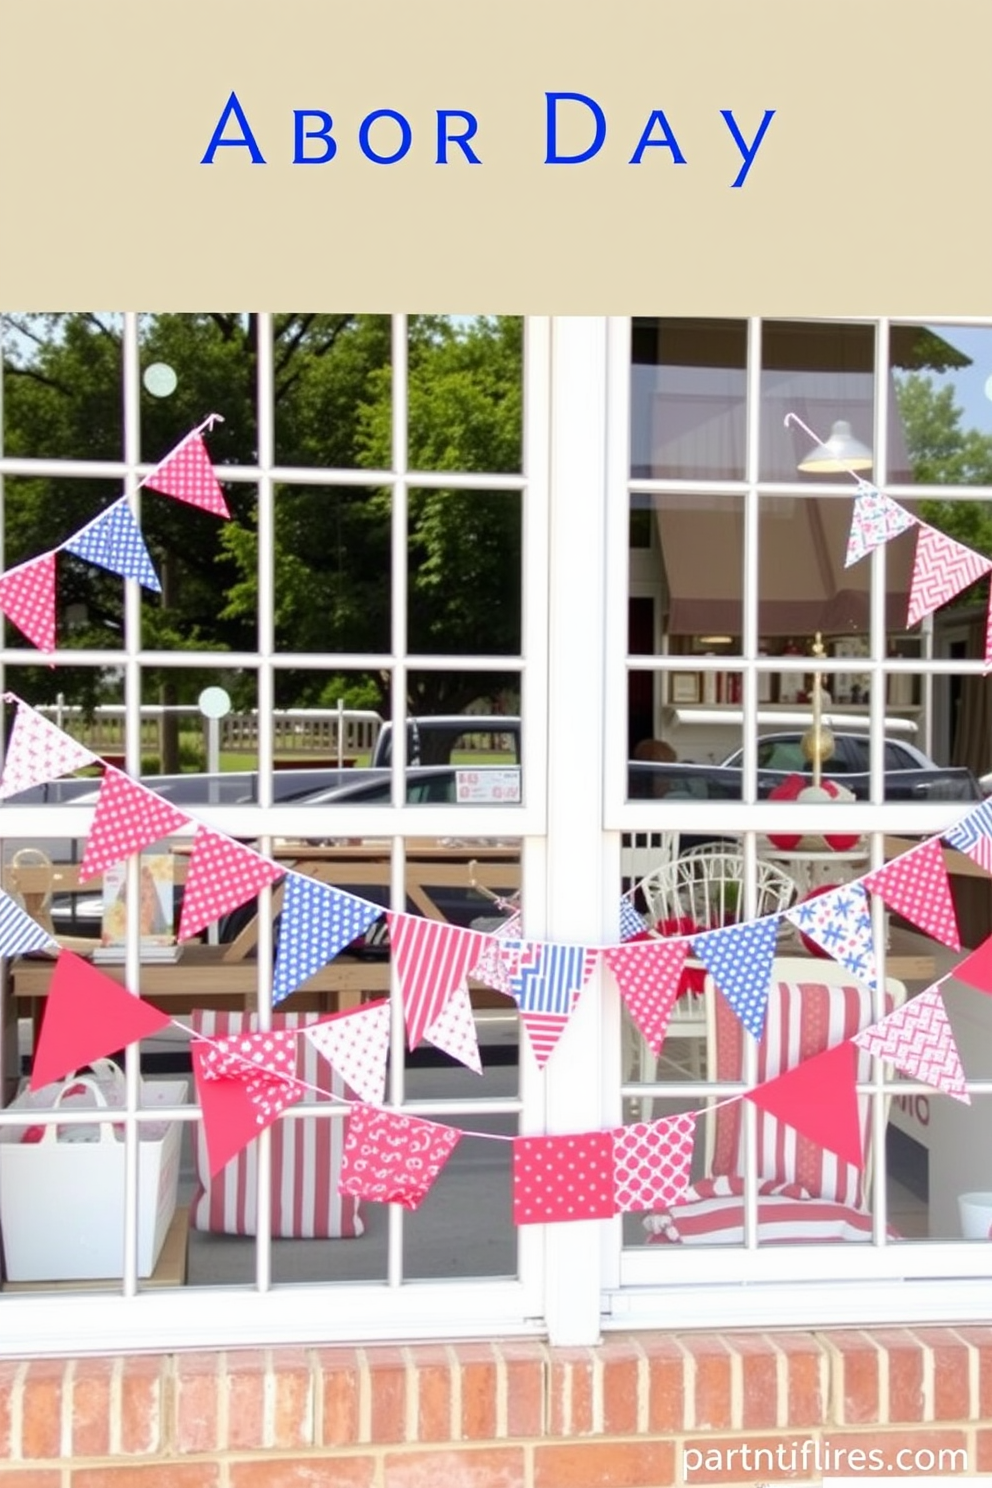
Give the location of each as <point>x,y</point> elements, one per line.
<point>840,452</point>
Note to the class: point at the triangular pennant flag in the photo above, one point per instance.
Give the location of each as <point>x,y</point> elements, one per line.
<point>393,1159</point>
<point>973,835</point>
<point>128,817</point>
<point>839,921</point>
<point>739,959</point>
<point>491,968</point>
<point>27,596</point>
<point>917,1038</point>
<point>356,1044</point>
<point>37,752</point>
<point>819,1098</point>
<point>19,933</point>
<point>431,959</point>
<point>875,520</point>
<point>545,981</point>
<point>316,922</point>
<point>631,923</point>
<point>234,1110</point>
<point>113,540</point>
<point>222,874</point>
<point>453,1030</point>
<point>247,1054</point>
<point>976,969</point>
<point>988,633</point>
<point>647,974</point>
<point>941,569</point>
<point>651,1162</point>
<point>87,1016</point>
<point>188,475</point>
<point>916,886</point>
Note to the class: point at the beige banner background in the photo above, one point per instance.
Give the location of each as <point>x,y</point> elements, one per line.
<point>868,194</point>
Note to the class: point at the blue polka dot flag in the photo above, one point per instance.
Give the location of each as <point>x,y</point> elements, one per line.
<point>317,921</point>
<point>739,959</point>
<point>113,540</point>
<point>840,923</point>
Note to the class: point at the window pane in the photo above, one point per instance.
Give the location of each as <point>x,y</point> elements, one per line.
<point>63,386</point>
<point>821,372</point>
<point>688,396</point>
<point>466,393</point>
<point>940,379</point>
<point>332,390</point>
<point>464,572</point>
<point>332,569</point>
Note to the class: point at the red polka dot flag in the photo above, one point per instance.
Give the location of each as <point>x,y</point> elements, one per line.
<point>188,475</point>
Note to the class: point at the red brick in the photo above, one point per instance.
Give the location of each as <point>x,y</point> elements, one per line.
<point>759,1381</point>
<point>30,1477</point>
<point>983,1452</point>
<point>666,1382</point>
<point>981,1339</point>
<point>90,1414</point>
<point>141,1404</point>
<point>740,1459</point>
<point>951,1385</point>
<point>805,1405</point>
<point>308,1472</point>
<point>621,1361</point>
<point>340,1384</point>
<point>641,1464</point>
<point>148,1475</point>
<point>387,1369</point>
<point>525,1365</point>
<point>197,1403</point>
<point>41,1422</point>
<point>472,1467</point>
<point>478,1370</point>
<point>905,1359</point>
<point>245,1388</point>
<point>8,1378</point>
<point>858,1397</point>
<point>713,1385</point>
<point>889,1443</point>
<point>570,1392</point>
<point>292,1416</point>
<point>432,1368</point>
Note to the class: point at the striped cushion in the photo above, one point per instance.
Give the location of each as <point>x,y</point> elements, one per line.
<point>306,1156</point>
<point>804,1018</point>
<point>712,1213</point>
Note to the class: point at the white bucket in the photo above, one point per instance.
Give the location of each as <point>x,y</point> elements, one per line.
<point>976,1215</point>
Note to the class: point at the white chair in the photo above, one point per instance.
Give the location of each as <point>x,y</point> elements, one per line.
<point>642,852</point>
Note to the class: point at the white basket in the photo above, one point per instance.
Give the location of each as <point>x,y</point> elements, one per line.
<point>62,1201</point>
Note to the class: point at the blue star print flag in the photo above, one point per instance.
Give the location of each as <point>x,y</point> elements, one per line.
<point>113,540</point>
<point>317,921</point>
<point>739,959</point>
<point>840,923</point>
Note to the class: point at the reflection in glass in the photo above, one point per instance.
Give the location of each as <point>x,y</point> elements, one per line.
<point>465,553</point>
<point>942,381</point>
<point>63,386</point>
<point>822,372</point>
<point>332,570</point>
<point>465,393</point>
<point>688,395</point>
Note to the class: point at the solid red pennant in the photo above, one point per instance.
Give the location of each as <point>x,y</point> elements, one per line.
<point>222,875</point>
<point>27,596</point>
<point>188,475</point>
<point>820,1099</point>
<point>87,1015</point>
<point>236,1110</point>
<point>128,817</point>
<point>916,886</point>
<point>976,969</point>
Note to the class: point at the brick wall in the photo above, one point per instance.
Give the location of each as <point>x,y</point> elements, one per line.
<point>506,1415</point>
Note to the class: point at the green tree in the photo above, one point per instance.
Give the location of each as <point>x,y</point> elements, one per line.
<point>942,452</point>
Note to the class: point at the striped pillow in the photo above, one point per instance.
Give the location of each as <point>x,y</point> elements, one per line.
<point>306,1156</point>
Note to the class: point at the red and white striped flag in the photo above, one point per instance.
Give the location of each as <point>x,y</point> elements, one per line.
<point>432,958</point>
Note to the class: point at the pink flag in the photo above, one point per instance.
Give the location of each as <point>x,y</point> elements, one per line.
<point>393,1159</point>
<point>453,1030</point>
<point>27,596</point>
<point>236,1110</point>
<point>87,1016</point>
<point>917,887</point>
<point>917,1038</point>
<point>819,1098</point>
<point>976,969</point>
<point>557,1179</point>
<point>222,874</point>
<point>188,475</point>
<point>38,751</point>
<point>128,817</point>
<point>246,1055</point>
<point>356,1044</point>
<point>651,1161</point>
<point>942,568</point>
<point>647,973</point>
<point>432,958</point>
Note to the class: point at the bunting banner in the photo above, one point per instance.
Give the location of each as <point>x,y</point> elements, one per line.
<point>393,1159</point>
<point>631,923</point>
<point>113,540</point>
<point>187,475</point>
<point>819,1098</point>
<point>355,1042</point>
<point>565,1178</point>
<point>739,959</point>
<point>87,1016</point>
<point>222,875</point>
<point>315,923</point>
<point>127,818</point>
<point>941,569</point>
<point>648,973</point>
<point>839,921</point>
<point>976,969</point>
<point>651,1162</point>
<point>38,752</point>
<point>916,885</point>
<point>236,1109</point>
<point>973,835</point>
<point>27,597</point>
<point>453,1030</point>
<point>432,957</point>
<point>918,1039</point>
<point>19,932</point>
<point>545,981</point>
<point>875,520</point>
<point>491,968</point>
